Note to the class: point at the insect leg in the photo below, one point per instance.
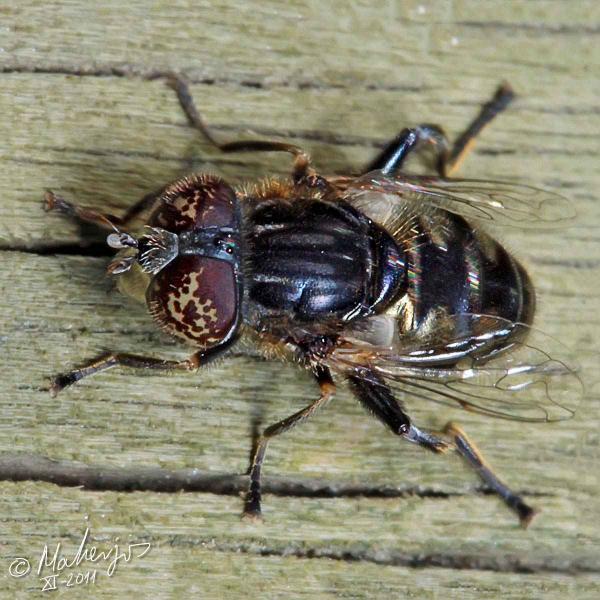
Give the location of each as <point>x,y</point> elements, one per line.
<point>377,397</point>
<point>133,361</point>
<point>469,451</point>
<point>252,508</point>
<point>53,202</point>
<point>301,168</point>
<point>394,154</point>
<point>448,159</point>
<point>59,204</point>
<point>449,163</point>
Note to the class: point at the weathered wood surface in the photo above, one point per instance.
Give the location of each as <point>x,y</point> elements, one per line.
<point>79,116</point>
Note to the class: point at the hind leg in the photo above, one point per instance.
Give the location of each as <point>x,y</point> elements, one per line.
<point>377,397</point>
<point>448,158</point>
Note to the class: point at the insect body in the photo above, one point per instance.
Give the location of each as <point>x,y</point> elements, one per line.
<point>381,279</point>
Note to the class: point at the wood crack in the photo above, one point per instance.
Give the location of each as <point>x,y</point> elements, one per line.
<point>133,71</point>
<point>541,29</point>
<point>398,558</point>
<point>29,467</point>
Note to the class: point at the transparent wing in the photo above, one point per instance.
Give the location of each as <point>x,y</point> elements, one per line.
<point>496,367</point>
<point>502,202</point>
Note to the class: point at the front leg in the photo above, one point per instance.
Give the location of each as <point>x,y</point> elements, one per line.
<point>133,361</point>
<point>54,202</point>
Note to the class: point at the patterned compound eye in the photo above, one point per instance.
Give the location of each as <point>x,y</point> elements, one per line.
<point>193,250</point>
<point>196,202</point>
<point>195,298</point>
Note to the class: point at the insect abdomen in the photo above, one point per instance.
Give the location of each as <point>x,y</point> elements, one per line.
<point>461,270</point>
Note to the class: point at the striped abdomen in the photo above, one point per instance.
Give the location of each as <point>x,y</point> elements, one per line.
<point>461,270</point>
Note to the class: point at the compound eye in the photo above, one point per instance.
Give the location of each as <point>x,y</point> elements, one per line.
<point>197,201</point>
<point>196,299</point>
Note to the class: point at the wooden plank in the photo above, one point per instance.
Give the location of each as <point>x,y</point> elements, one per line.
<point>81,118</point>
<point>202,548</point>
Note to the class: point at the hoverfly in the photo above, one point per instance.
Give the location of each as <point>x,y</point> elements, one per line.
<point>383,279</point>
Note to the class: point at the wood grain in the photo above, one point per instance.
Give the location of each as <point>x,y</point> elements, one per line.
<point>350,510</point>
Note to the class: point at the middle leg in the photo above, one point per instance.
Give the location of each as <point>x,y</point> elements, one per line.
<point>252,506</point>
<point>301,169</point>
